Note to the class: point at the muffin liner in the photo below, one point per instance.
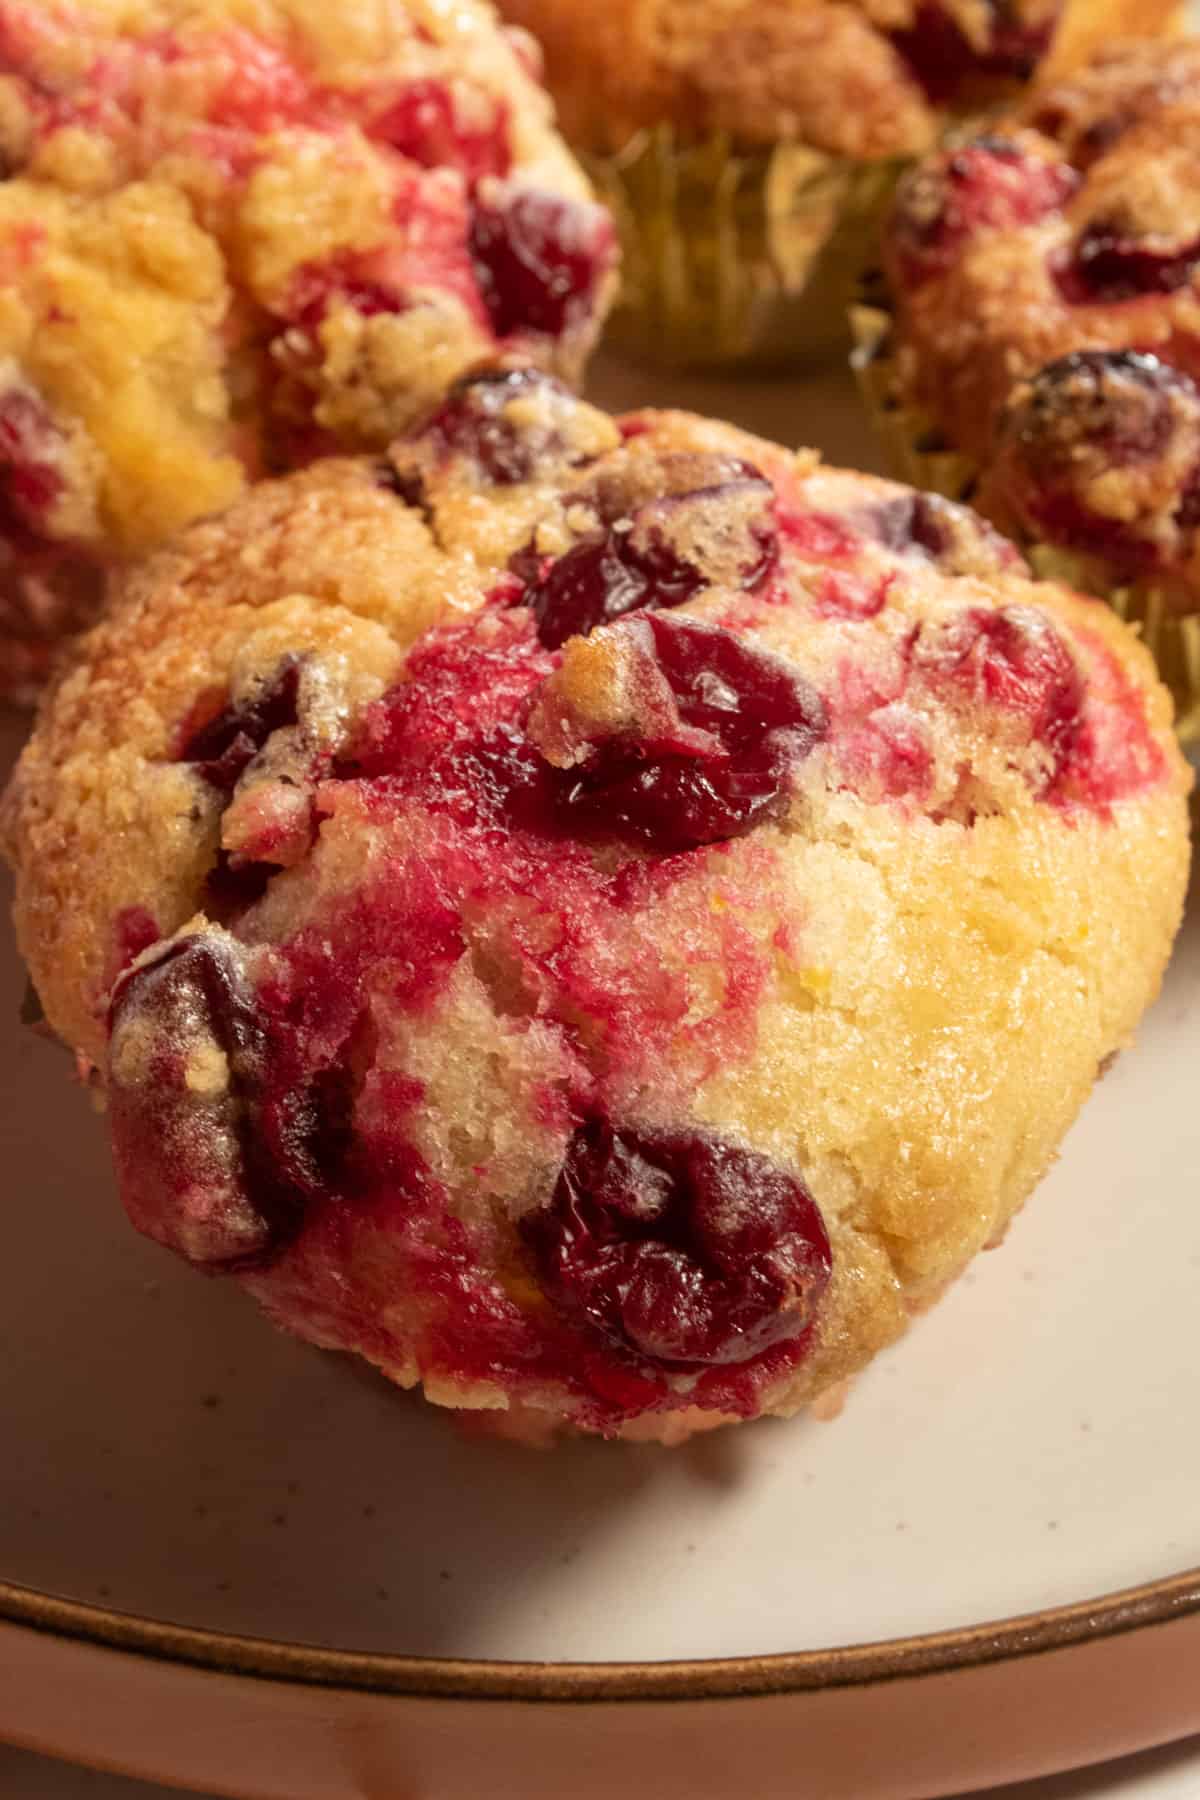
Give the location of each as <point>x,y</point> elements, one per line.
<point>919,454</point>
<point>733,256</point>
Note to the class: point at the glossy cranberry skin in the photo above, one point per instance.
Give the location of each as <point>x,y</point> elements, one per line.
<point>991,184</point>
<point>222,749</point>
<point>764,719</point>
<point>684,1249</point>
<point>1109,266</point>
<point>539,260</point>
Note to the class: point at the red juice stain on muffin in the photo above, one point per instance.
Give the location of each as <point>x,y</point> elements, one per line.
<point>946,61</point>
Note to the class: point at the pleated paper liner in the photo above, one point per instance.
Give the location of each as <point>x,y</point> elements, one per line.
<point>735,257</point>
<point>920,456</point>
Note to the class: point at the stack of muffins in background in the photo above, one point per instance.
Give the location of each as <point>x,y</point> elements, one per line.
<point>602,917</point>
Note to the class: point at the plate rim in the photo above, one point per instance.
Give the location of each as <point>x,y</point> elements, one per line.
<point>1008,1640</point>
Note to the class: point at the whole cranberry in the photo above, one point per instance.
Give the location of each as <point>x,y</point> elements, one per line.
<point>680,1247</point>
<point>219,1141</point>
<point>1109,264</point>
<point>540,260</point>
<point>941,531</point>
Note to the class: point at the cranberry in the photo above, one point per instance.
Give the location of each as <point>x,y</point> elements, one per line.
<point>656,551</point>
<point>423,124</point>
<point>475,419</point>
<point>945,61</point>
<point>760,718</point>
<point>30,447</point>
<point>681,1247</point>
<point>1012,659</point>
<point>990,184</point>
<point>1080,418</point>
<point>941,531</point>
<point>223,748</point>
<point>1109,265</point>
<point>187,1061</point>
<point>539,260</point>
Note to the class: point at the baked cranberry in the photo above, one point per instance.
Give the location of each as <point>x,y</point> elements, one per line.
<point>1108,265</point>
<point>991,184</point>
<point>945,60</point>
<point>186,1047</point>
<point>714,525</point>
<point>683,1248</point>
<point>476,419</point>
<point>225,745</point>
<point>423,124</point>
<point>942,531</point>
<point>1012,659</point>
<point>743,720</point>
<point>1079,420</point>
<point>539,260</point>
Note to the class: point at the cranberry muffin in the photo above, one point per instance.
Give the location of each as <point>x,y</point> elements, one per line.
<point>232,237</point>
<point>747,146</point>
<point>1045,285</point>
<point>602,918</point>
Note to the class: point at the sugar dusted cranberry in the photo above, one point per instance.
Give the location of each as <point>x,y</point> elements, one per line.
<point>423,124</point>
<point>714,525</point>
<point>1109,265</point>
<point>991,184</point>
<point>946,61</point>
<point>747,719</point>
<point>222,748</point>
<point>478,419</point>
<point>681,1247</point>
<point>540,260</point>
<point>1012,659</point>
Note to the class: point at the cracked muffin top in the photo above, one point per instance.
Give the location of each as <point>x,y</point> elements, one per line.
<point>1047,284</point>
<point>601,917</point>
<point>237,233</point>
<point>857,78</point>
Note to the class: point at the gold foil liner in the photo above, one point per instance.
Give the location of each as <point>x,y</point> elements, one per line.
<point>919,455</point>
<point>737,257</point>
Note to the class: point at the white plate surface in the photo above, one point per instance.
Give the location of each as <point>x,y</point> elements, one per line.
<point>1032,1443</point>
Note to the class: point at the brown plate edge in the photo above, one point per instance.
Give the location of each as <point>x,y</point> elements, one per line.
<point>719,1678</point>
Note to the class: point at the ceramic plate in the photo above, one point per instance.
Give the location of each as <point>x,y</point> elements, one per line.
<point>264,1573</point>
